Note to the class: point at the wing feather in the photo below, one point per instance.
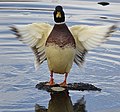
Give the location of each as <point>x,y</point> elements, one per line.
<point>35,36</point>
<point>88,38</point>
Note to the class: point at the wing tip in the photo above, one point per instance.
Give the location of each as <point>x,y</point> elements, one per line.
<point>80,58</point>
<point>36,65</point>
<point>15,31</point>
<point>113,28</point>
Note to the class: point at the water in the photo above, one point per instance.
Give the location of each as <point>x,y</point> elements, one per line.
<point>18,76</point>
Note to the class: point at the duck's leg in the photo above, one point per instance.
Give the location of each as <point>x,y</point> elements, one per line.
<point>51,82</point>
<point>64,83</point>
<point>51,78</point>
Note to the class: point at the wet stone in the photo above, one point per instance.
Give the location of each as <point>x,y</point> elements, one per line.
<point>104,3</point>
<point>70,86</point>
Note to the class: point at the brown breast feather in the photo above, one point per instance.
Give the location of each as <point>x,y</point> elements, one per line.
<point>61,36</point>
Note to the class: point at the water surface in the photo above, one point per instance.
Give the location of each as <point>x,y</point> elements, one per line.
<point>18,76</point>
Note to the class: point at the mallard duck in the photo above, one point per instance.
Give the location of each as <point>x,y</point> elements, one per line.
<point>60,101</point>
<point>61,45</point>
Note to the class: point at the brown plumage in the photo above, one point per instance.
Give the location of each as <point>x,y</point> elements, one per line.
<point>63,38</point>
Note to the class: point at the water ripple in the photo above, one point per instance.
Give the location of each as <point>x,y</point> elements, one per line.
<point>17,74</point>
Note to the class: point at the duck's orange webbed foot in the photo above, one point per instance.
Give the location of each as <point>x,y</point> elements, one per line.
<point>51,82</point>
<point>64,83</point>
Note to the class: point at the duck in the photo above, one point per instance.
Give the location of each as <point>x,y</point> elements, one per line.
<point>60,101</point>
<point>61,45</point>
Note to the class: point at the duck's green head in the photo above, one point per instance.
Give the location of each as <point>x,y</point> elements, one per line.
<point>59,15</point>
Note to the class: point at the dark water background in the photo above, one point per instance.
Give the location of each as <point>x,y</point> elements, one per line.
<point>18,76</point>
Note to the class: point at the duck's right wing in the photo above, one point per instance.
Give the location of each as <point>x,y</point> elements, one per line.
<point>35,36</point>
<point>88,38</point>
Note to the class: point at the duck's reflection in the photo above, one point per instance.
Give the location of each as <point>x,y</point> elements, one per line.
<point>61,102</point>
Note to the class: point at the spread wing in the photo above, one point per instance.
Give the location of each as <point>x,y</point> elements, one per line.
<point>88,38</point>
<point>35,36</point>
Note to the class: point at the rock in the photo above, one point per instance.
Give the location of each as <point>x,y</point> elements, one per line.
<point>103,3</point>
<point>70,86</point>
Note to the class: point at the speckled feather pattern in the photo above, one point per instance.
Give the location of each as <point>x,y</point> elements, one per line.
<point>61,36</point>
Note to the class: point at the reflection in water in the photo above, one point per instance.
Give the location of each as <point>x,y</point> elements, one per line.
<point>61,102</point>
<point>17,76</point>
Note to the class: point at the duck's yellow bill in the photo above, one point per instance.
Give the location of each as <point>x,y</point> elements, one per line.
<point>58,15</point>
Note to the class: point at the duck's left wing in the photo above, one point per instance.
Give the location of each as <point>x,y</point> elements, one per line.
<point>34,35</point>
<point>89,37</point>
